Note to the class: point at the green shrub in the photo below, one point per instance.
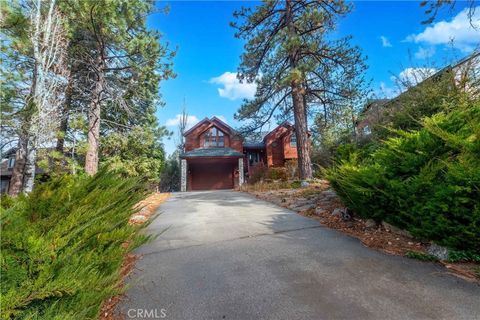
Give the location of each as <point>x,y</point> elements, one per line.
<point>171,173</point>
<point>421,256</point>
<point>260,172</point>
<point>458,256</point>
<point>295,184</point>
<point>425,181</point>
<point>291,169</point>
<point>344,152</point>
<point>6,201</point>
<point>277,173</point>
<point>62,246</point>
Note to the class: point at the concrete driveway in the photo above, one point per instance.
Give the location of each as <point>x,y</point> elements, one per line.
<point>227,255</point>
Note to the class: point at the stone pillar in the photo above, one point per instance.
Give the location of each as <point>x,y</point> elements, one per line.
<point>241,178</point>
<point>183,178</point>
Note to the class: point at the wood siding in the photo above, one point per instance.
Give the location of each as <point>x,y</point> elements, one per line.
<point>194,139</point>
<point>289,152</point>
<point>211,173</point>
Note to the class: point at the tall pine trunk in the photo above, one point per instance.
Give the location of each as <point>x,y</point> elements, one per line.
<point>16,181</point>
<point>299,107</point>
<point>94,113</point>
<point>303,143</point>
<point>62,131</point>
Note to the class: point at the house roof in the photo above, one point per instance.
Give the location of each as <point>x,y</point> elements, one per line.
<point>254,145</point>
<point>211,152</point>
<point>8,153</point>
<point>255,139</point>
<point>374,102</point>
<point>211,121</point>
<point>284,124</point>
<point>250,140</point>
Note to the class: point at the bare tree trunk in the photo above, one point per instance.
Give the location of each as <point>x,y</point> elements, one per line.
<point>94,113</point>
<point>31,159</point>
<point>16,182</point>
<point>48,44</point>
<point>182,127</point>
<point>299,108</point>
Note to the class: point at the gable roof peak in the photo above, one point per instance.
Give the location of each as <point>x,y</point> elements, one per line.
<point>195,126</point>
<point>210,121</point>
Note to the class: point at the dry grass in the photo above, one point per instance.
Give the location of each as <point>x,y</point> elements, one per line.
<point>269,185</point>
<point>147,207</point>
<point>266,186</point>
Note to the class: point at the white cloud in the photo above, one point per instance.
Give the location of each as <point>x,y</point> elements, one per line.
<point>222,118</point>
<point>191,120</point>
<point>425,53</point>
<point>232,88</point>
<point>385,42</point>
<point>459,31</point>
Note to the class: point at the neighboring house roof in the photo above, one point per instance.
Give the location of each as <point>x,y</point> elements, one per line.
<point>8,153</point>
<point>374,103</point>
<point>385,103</point>
<point>211,152</point>
<point>474,58</point>
<point>5,171</point>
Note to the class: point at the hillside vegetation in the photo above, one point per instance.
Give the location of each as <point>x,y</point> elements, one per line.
<point>63,246</point>
<point>424,180</point>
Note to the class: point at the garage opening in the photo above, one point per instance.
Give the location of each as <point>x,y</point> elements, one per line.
<point>211,176</point>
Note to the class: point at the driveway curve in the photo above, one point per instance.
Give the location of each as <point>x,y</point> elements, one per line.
<point>228,255</point>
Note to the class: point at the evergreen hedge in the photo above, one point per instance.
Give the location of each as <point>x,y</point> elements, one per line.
<point>63,245</point>
<point>426,181</point>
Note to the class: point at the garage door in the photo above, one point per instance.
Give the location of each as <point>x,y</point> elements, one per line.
<point>212,177</point>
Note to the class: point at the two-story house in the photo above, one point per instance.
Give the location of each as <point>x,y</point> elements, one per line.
<point>217,157</point>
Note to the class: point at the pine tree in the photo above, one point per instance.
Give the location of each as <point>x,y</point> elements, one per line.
<point>122,64</point>
<point>113,69</point>
<point>14,88</point>
<point>297,65</point>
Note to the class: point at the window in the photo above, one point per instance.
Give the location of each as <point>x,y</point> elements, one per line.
<point>11,162</point>
<point>253,157</point>
<point>293,140</point>
<point>214,138</point>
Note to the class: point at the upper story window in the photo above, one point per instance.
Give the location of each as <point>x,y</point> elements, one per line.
<point>293,140</point>
<point>11,162</point>
<point>214,138</point>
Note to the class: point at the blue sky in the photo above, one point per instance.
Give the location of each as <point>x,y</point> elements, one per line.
<point>389,33</point>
